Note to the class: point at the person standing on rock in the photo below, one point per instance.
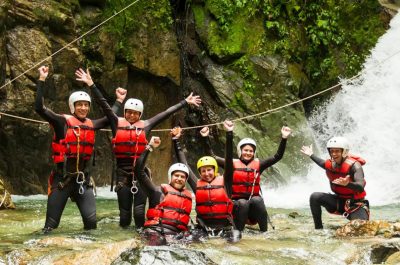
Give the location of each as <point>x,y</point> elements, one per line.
<point>249,206</point>
<point>72,147</point>
<point>346,178</point>
<point>213,192</point>
<point>170,204</point>
<point>129,141</point>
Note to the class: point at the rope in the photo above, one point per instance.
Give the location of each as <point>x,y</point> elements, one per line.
<point>184,128</point>
<point>69,44</point>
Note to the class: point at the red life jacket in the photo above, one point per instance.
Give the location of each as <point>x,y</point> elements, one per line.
<point>130,140</point>
<point>174,210</point>
<point>246,179</point>
<point>68,147</point>
<point>341,172</point>
<point>212,202</point>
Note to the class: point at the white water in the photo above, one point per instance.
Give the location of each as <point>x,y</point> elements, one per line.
<point>364,111</point>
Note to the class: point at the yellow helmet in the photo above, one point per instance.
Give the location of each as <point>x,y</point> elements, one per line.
<point>208,161</point>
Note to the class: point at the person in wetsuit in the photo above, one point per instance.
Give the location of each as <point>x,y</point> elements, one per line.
<point>129,141</point>
<point>170,204</point>
<point>72,147</point>
<point>213,192</point>
<point>346,178</point>
<point>249,206</point>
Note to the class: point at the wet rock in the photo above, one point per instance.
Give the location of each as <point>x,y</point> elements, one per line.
<point>393,258</point>
<point>162,256</point>
<point>363,228</point>
<point>391,4</point>
<point>156,52</point>
<point>294,214</point>
<point>5,197</point>
<point>381,252</point>
<point>105,254</point>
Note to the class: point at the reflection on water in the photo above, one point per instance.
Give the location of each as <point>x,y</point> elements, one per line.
<point>294,241</point>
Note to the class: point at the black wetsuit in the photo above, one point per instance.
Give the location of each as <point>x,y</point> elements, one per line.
<point>254,209</point>
<point>332,202</point>
<point>212,225</point>
<point>58,197</point>
<point>125,169</point>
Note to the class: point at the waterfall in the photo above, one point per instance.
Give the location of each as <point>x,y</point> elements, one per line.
<point>365,112</point>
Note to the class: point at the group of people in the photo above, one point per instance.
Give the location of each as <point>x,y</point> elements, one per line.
<point>224,203</point>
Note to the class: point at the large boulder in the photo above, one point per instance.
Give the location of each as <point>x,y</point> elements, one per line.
<point>364,228</point>
<point>5,197</point>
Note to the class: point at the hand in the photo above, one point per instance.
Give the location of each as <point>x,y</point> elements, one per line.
<point>121,94</point>
<point>43,72</point>
<point>228,125</point>
<point>285,131</point>
<point>307,150</point>
<point>155,141</point>
<point>176,132</point>
<point>193,100</point>
<point>342,181</point>
<point>84,77</point>
<point>205,131</point>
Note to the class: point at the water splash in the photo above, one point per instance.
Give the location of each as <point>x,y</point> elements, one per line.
<point>364,111</point>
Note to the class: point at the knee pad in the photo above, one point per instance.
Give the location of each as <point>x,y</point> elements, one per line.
<point>125,217</point>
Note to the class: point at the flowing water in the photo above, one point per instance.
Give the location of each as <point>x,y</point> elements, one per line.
<point>364,111</point>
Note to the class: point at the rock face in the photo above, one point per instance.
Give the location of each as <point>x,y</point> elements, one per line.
<point>228,56</point>
<point>5,197</point>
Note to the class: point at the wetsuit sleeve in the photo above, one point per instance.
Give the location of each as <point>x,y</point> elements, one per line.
<point>192,179</point>
<point>274,159</point>
<point>357,173</point>
<point>228,172</point>
<point>319,161</point>
<point>144,181</point>
<point>111,118</point>
<point>209,150</point>
<point>57,121</point>
<point>154,121</point>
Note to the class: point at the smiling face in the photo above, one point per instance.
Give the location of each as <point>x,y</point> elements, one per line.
<point>132,116</point>
<point>336,155</point>
<point>82,109</point>
<point>247,152</point>
<point>207,173</point>
<point>178,180</point>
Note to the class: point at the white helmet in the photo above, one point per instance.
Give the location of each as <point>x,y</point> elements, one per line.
<point>134,104</point>
<point>77,96</point>
<point>177,167</point>
<point>243,142</point>
<point>339,142</point>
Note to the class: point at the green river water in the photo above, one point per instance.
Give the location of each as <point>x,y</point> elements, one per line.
<point>294,241</point>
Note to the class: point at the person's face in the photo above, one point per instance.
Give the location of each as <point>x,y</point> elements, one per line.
<point>178,180</point>
<point>207,173</point>
<point>247,152</point>
<point>81,109</point>
<point>336,154</point>
<point>132,116</point>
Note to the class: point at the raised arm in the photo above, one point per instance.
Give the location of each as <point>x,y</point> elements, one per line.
<point>285,131</point>
<point>176,134</point>
<point>56,120</point>
<point>144,181</point>
<point>228,172</point>
<point>154,121</point>
<point>111,118</point>
<point>205,131</point>
<point>308,151</point>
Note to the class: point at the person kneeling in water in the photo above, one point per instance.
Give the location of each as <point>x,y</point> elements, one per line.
<point>346,178</point>
<point>170,204</point>
<point>249,207</point>
<point>213,191</point>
